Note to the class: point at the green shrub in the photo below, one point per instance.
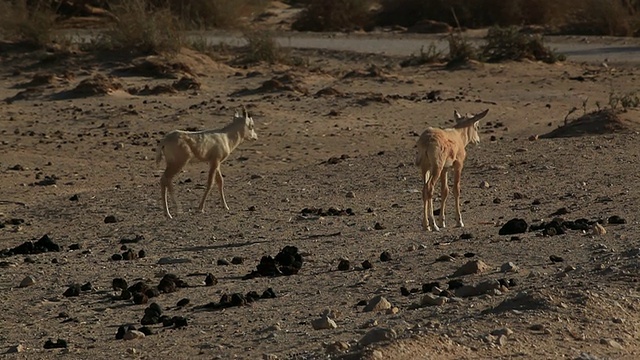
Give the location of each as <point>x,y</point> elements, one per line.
<point>334,15</point>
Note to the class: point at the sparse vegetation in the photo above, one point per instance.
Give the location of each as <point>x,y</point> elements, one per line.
<point>629,100</point>
<point>262,47</point>
<point>589,17</point>
<point>511,44</point>
<point>32,24</point>
<point>461,50</point>
<point>430,56</point>
<point>211,13</point>
<point>144,29</point>
<point>334,15</point>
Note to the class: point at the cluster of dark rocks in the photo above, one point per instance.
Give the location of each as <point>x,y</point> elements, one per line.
<point>287,262</point>
<point>141,292</point>
<point>129,254</point>
<point>153,314</point>
<point>238,299</point>
<point>557,226</point>
<point>43,245</point>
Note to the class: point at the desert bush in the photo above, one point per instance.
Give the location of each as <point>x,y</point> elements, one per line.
<point>602,17</point>
<point>143,28</point>
<point>32,23</point>
<point>262,47</point>
<point>211,13</point>
<point>460,50</point>
<point>629,100</point>
<point>511,44</point>
<point>430,56</point>
<point>334,15</point>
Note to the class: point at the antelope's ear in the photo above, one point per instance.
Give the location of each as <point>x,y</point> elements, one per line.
<point>477,117</point>
<point>456,115</point>
<point>236,114</point>
<point>245,113</point>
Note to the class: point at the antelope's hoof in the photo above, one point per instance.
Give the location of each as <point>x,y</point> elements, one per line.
<point>460,224</point>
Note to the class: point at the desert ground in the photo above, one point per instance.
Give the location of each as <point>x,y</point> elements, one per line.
<point>78,140</point>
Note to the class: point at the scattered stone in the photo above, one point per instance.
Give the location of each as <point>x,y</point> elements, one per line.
<point>377,335</point>
<point>74,198</point>
<point>210,280</point>
<point>323,323</point>
<point>223,262</point>
<point>183,302</point>
<point>556,259</point>
<point>509,267</point>
<point>612,343</point>
<point>111,219</point>
<point>428,287</point>
<point>43,245</point>
<point>404,291</point>
<point>502,340</point>
<point>469,254</point>
<point>503,331</point>
<point>287,262</point>
<point>443,258</point>
<point>337,347</point>
<point>59,344</point>
<point>394,310</point>
<point>433,300</point>
<point>73,290</point>
<point>379,226</point>
<point>119,284</point>
<point>537,327</point>
<point>116,257</point>
<point>617,220</point>
<point>466,236</point>
<point>16,349</point>
<point>366,265</point>
<point>133,335</point>
<point>86,287</point>
<point>378,303</point>
<point>27,281</point>
<point>514,226</point>
<point>237,260</point>
<point>599,229</point>
<point>332,211</point>
<point>385,256</point>
<point>344,265</point>
<point>484,185</point>
<point>140,298</point>
<point>142,254</point>
<point>471,267</point>
<point>350,194</point>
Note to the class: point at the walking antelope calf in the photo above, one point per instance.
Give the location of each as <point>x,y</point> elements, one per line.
<point>211,146</point>
<point>438,151</point>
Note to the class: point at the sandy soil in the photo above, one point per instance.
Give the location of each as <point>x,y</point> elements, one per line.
<point>71,158</point>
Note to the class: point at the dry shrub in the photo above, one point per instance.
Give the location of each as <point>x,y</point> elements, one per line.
<point>31,23</point>
<point>334,15</point>
<point>511,44</point>
<point>460,50</point>
<point>602,17</point>
<point>143,28</point>
<point>430,56</point>
<point>262,47</point>
<point>212,13</point>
